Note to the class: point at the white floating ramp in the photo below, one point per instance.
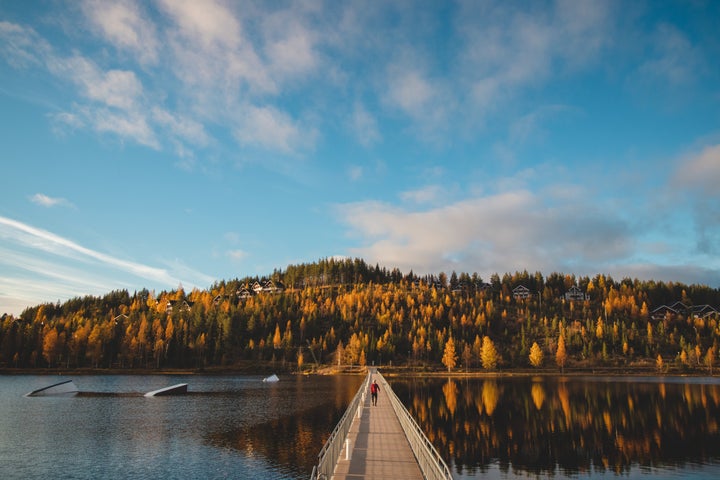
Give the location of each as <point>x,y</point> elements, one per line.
<point>271,379</point>
<point>179,389</point>
<point>66,388</point>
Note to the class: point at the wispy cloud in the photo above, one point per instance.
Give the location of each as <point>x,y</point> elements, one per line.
<point>50,243</point>
<point>236,255</point>
<point>63,268</point>
<point>674,60</point>
<point>508,50</point>
<point>364,125</point>
<point>700,172</point>
<point>429,194</point>
<point>272,129</point>
<point>124,25</point>
<point>46,201</point>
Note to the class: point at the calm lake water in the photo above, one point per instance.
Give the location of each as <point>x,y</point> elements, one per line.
<point>226,427</point>
<point>571,427</point>
<point>240,427</point>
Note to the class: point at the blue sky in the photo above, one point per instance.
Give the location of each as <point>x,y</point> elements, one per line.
<point>148,144</point>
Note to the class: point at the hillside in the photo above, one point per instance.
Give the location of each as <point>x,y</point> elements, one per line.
<point>347,312</point>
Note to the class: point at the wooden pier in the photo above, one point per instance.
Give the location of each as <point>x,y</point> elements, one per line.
<point>379,447</point>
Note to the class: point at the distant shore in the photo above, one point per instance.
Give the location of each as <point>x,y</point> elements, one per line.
<point>387,370</point>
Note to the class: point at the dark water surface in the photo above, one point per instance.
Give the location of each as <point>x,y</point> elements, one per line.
<point>226,427</point>
<point>570,427</point>
<point>240,427</point>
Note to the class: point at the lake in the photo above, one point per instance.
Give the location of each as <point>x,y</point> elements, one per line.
<point>240,427</point>
<point>570,427</point>
<point>225,427</point>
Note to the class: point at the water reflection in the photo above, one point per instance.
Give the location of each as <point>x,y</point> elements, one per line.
<point>568,426</point>
<point>225,427</point>
<point>292,440</point>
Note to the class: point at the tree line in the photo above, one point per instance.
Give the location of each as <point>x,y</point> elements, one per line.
<point>346,312</point>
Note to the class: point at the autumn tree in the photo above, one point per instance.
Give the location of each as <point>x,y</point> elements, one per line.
<point>488,354</point>
<point>340,354</point>
<point>561,354</point>
<point>300,359</point>
<point>659,364</point>
<point>449,358</point>
<point>95,345</point>
<point>710,358</point>
<point>277,338</point>
<point>467,356</point>
<point>50,345</point>
<point>536,355</point>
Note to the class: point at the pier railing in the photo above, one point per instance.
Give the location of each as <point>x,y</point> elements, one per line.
<point>432,466</point>
<point>330,453</point>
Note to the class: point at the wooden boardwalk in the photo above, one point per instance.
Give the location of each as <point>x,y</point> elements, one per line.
<point>379,448</point>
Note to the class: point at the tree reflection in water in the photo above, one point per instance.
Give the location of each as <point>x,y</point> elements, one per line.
<point>291,440</point>
<point>567,425</point>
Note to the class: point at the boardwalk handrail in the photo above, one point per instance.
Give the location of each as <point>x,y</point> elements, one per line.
<point>432,466</point>
<point>328,456</point>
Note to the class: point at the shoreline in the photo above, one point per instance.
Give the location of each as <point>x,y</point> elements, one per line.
<point>387,371</point>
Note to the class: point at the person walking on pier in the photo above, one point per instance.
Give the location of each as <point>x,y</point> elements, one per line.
<point>374,387</point>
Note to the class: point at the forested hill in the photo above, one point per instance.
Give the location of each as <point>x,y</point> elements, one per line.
<point>347,312</point>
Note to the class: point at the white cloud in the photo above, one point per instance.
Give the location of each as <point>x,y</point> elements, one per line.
<point>187,129</point>
<point>700,173</point>
<point>364,125</point>
<point>212,56</point>
<point>289,44</point>
<point>132,125</point>
<point>20,46</point>
<point>355,172</point>
<point>508,50</point>
<point>236,255</point>
<point>46,201</point>
<point>674,59</point>
<point>124,25</point>
<point>429,194</point>
<point>410,90</point>
<point>31,237</point>
<point>498,233</point>
<point>37,266</point>
<point>273,129</point>
<point>115,88</point>
<point>697,177</point>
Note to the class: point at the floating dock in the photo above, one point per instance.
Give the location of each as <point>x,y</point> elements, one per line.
<point>66,388</point>
<point>179,389</point>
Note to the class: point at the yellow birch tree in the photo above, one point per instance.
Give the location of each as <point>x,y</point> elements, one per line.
<point>561,354</point>
<point>536,355</point>
<point>450,357</point>
<point>488,354</point>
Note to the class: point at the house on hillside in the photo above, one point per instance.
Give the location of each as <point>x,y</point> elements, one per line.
<point>663,311</point>
<point>703,311</point>
<point>269,286</point>
<point>179,305</point>
<point>244,293</point>
<point>273,287</point>
<point>575,294</point>
<point>521,292</point>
